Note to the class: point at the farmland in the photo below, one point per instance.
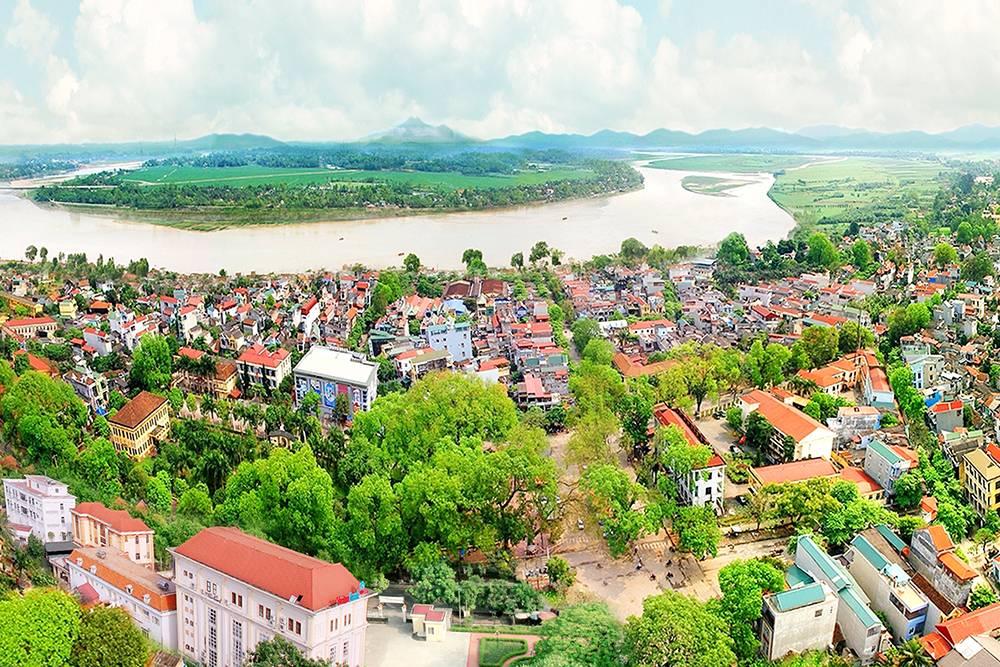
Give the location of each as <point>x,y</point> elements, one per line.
<point>736,164</point>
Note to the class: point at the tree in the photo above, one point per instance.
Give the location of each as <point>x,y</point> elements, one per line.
<point>635,409</point>
<point>861,254</point>
<point>560,572</point>
<point>978,267</point>
<point>911,654</point>
<point>632,249</point>
<point>944,255</point>
<point>584,330</point>
<point>43,253</point>
<point>983,537</point>
<point>697,530</point>
<point>411,263</point>
<point>471,255</point>
<point>30,253</point>
<point>38,628</point>
<point>613,496</point>
<point>953,519</point>
<point>909,489</point>
<point>599,351</point>
<point>22,363</point>
<point>539,251</point>
<point>759,431</point>
<point>434,582</point>
<point>981,596</point>
<point>517,260</point>
<point>820,344</point>
<point>964,235</point>
<point>734,417</point>
<point>279,652</point>
<point>677,631</point>
<point>108,638</point>
<point>733,251</point>
<point>743,583</point>
<point>151,364</point>
<point>853,337</point>
<point>195,502</point>
<point>841,524</point>
<point>822,253</point>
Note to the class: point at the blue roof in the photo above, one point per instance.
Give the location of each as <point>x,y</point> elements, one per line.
<point>891,537</point>
<point>796,576</point>
<point>799,597</point>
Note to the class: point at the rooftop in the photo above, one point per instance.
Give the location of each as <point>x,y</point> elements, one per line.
<point>116,569</point>
<point>119,521</point>
<point>796,471</point>
<point>786,419</point>
<point>138,410</point>
<point>801,596</point>
<point>340,366</point>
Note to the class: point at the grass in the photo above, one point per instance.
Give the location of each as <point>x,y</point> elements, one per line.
<point>250,175</point>
<point>739,164</point>
<point>494,651</point>
<point>711,185</point>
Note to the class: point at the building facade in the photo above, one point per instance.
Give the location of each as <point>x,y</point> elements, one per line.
<point>889,588</point>
<point>260,366</point>
<point>887,463</point>
<point>140,424</point>
<point>980,478</point>
<point>149,599</point>
<point>94,525</point>
<point>812,439</point>
<point>41,503</point>
<point>330,373</point>
<point>455,337</point>
<point>798,620</point>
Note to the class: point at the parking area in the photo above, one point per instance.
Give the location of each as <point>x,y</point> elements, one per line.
<point>386,643</point>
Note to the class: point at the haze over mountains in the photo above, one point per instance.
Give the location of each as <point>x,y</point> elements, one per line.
<point>415,133</point>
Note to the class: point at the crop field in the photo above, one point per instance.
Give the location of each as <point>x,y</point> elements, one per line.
<point>711,185</point>
<point>738,164</point>
<point>250,175</point>
<point>832,188</point>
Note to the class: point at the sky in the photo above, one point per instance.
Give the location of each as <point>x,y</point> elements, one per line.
<point>333,70</point>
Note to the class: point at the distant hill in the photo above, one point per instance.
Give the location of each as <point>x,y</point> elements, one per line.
<point>416,131</point>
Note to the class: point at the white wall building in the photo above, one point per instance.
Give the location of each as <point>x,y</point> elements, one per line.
<point>455,337</point>
<point>234,590</point>
<point>41,503</point>
<point>798,620</point>
<point>149,599</point>
<point>329,372</point>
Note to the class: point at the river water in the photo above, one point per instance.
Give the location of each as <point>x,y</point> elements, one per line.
<point>663,212</point>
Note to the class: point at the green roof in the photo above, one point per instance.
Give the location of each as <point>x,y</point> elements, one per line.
<point>836,575</point>
<point>885,452</point>
<point>858,606</point>
<point>870,553</point>
<point>891,537</point>
<point>798,597</point>
<point>951,435</point>
<point>795,576</point>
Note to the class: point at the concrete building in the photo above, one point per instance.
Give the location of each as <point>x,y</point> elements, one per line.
<point>876,389</point>
<point>793,472</point>
<point>94,525</point>
<point>956,444</point>
<point>797,620</point>
<point>258,365</point>
<point>932,554</point>
<point>140,424</point>
<point>946,416</point>
<point>329,373</point>
<point>861,628</point>
<point>31,327</point>
<point>41,503</point>
<point>850,421</point>
<point>812,439</point>
<point>90,387</point>
<point>888,586</point>
<point>149,599</point>
<point>456,337</point>
<point>887,463</point>
<point>980,478</point>
<point>235,590</point>
<point>705,485</point>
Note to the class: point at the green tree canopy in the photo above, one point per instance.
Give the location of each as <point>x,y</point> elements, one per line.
<point>822,253</point>
<point>743,582</point>
<point>38,628</point>
<point>108,638</point>
<point>733,251</point>
<point>584,330</point>
<point>151,364</point>
<point>944,254</point>
<point>677,631</point>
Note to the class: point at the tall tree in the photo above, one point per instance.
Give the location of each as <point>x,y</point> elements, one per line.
<point>677,631</point>
<point>108,638</point>
<point>38,628</point>
<point>743,582</point>
<point>151,364</point>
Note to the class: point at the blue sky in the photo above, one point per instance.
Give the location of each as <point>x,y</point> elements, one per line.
<point>120,70</point>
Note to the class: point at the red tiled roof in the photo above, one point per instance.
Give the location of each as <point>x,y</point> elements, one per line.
<point>29,321</point>
<point>935,645</point>
<point>138,410</point>
<point>120,572</point>
<point>190,352</point>
<point>435,615</point>
<point>865,483</point>
<point>945,407</point>
<point>117,520</point>
<point>957,566</point>
<point>258,355</point>
<point>785,418</point>
<point>981,621</point>
<point>940,537</point>
<point>87,593</point>
<point>796,471</point>
<point>273,568</point>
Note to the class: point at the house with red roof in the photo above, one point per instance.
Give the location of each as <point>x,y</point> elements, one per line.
<point>30,327</point>
<point>258,365</point>
<point>706,484</point>
<point>932,554</point>
<point>949,634</point>
<point>946,416</point>
<point>791,473</point>
<point>94,525</point>
<point>255,589</point>
<point>811,439</point>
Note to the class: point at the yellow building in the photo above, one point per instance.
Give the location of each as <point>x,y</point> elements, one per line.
<point>67,308</point>
<point>980,474</point>
<point>140,424</point>
<point>94,525</point>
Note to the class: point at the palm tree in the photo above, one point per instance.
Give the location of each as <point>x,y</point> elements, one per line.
<point>804,387</point>
<point>913,654</point>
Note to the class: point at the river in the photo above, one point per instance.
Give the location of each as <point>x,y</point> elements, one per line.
<point>663,212</point>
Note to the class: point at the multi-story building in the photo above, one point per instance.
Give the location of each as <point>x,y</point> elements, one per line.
<point>140,424</point>
<point>861,628</point>
<point>94,525</point>
<point>932,554</point>
<point>850,421</point>
<point>704,485</point>
<point>797,620</point>
<point>792,472</point>
<point>149,599</point>
<point>888,587</point>
<point>456,337</point>
<point>887,463</point>
<point>956,444</point>
<point>414,364</point>
<point>979,474</point>
<point>41,503</point>
<point>811,439</point>
<point>31,327</point>
<point>946,416</point>
<point>90,387</point>
<point>235,590</point>
<point>328,373</point>
<point>258,365</point>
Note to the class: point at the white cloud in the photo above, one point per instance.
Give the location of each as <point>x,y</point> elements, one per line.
<point>32,31</point>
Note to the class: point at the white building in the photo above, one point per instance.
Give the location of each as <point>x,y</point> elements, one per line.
<point>258,365</point>
<point>798,620</point>
<point>889,588</point>
<point>329,372</point>
<point>702,486</point>
<point>235,590</point>
<point>456,337</point>
<point>41,503</point>
<point>887,463</point>
<point>149,599</point>
<point>812,439</point>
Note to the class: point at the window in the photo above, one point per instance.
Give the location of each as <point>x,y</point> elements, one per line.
<point>238,642</point>
<point>260,610</point>
<point>347,653</point>
<point>237,599</point>
<point>298,628</point>
<point>819,612</point>
<point>334,624</point>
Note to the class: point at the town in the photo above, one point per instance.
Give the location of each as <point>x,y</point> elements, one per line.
<point>697,456</point>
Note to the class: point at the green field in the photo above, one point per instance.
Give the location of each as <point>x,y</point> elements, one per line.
<point>711,185</point>
<point>494,651</point>
<point>257,175</point>
<point>738,164</point>
<point>832,188</point>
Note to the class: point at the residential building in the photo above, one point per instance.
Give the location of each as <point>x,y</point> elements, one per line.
<point>861,628</point>
<point>797,620</point>
<point>812,439</point>
<point>329,373</point>
<point>140,424</point>
<point>927,369</point>
<point>932,554</point>
<point>414,364</point>
<point>876,389</point>
<point>148,598</point>
<point>455,337</point>
<point>795,471</point>
<point>946,416</point>
<point>980,477</point>
<point>41,503</point>
<point>702,486</point>
<point>888,586</point>
<point>258,365</point>
<point>98,341</point>
<point>90,387</point>
<point>850,421</point>
<point>94,525</point>
<point>949,634</point>
<point>956,444</point>
<point>235,590</point>
<point>887,463</point>
<point>31,327</point>
<point>531,392</point>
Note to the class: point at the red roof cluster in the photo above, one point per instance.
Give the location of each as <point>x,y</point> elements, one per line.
<point>258,355</point>
<point>119,521</point>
